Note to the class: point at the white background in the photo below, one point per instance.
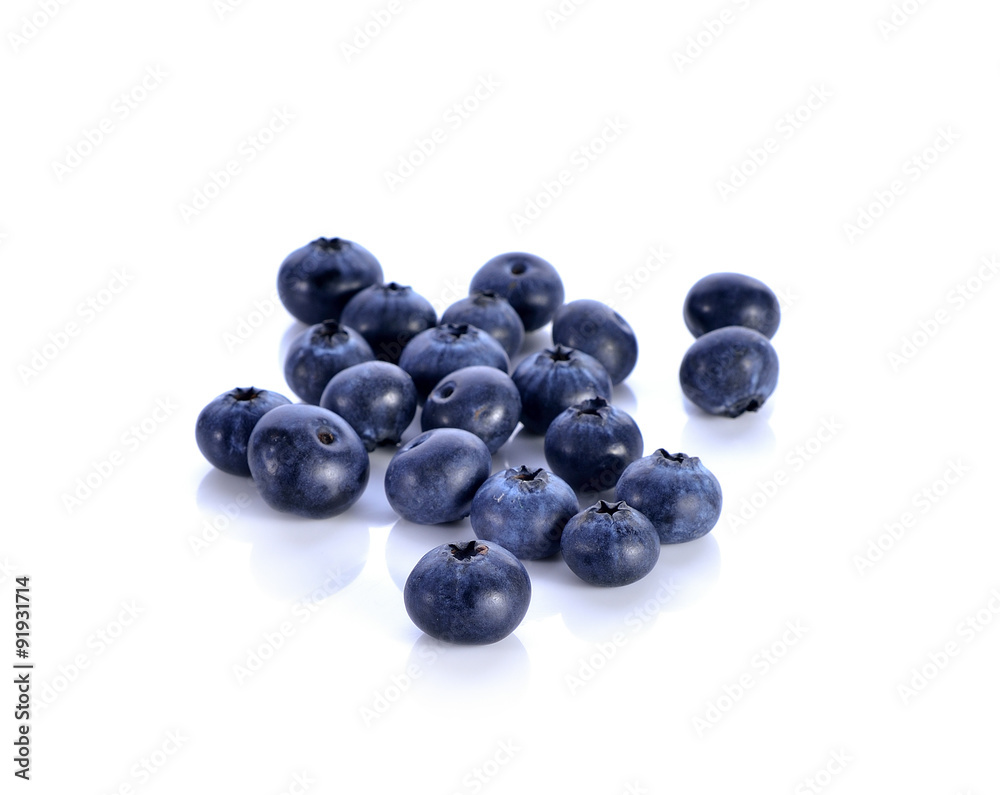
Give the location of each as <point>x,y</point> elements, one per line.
<point>140,630</point>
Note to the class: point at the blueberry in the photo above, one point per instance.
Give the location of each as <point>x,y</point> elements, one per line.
<point>319,353</point>
<point>388,316</point>
<point>308,461</point>
<point>590,444</point>
<point>433,477</point>
<point>481,400</point>
<point>493,314</point>
<point>675,492</point>
<point>524,510</point>
<point>529,283</point>
<point>474,592</point>
<point>223,427</point>
<point>554,379</point>
<point>610,544</point>
<point>731,299</point>
<point>729,371</point>
<point>438,351</point>
<point>597,329</point>
<point>316,281</point>
<point>378,399</point>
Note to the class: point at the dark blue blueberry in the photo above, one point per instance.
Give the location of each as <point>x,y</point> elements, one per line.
<point>675,492</point>
<point>316,281</point>
<point>478,399</point>
<point>438,351</point>
<point>729,371</point>
<point>474,592</point>
<point>493,314</point>
<point>610,544</point>
<point>590,444</point>
<point>433,477</point>
<point>223,427</point>
<point>378,399</point>
<point>731,299</point>
<point>319,353</point>
<point>529,283</point>
<point>388,316</point>
<point>597,329</point>
<point>524,510</point>
<point>552,380</point>
<point>308,461</point>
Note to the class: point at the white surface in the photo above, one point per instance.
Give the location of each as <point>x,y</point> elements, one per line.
<point>667,647</point>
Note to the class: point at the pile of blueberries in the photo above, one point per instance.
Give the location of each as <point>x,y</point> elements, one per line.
<point>375,352</point>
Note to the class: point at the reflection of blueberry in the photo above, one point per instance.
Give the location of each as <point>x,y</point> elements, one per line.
<point>729,371</point>
<point>524,510</point>
<point>319,353</point>
<point>471,592</point>
<point>529,283</point>
<point>388,316</point>
<point>553,379</point>
<point>731,299</point>
<point>438,351</point>
<point>493,314</point>
<point>316,281</point>
<point>433,477</point>
<point>590,444</point>
<point>307,461</point>
<point>596,328</point>
<point>610,544</point>
<point>481,400</point>
<point>676,493</point>
<point>223,427</point>
<point>378,399</point>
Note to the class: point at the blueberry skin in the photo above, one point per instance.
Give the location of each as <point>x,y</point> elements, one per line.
<point>433,477</point>
<point>493,314</point>
<point>529,283</point>
<point>589,445</point>
<point>524,510</point>
<point>729,371</point>
<point>308,461</point>
<point>316,281</point>
<point>552,380</point>
<point>377,399</point>
<point>388,316</point>
<point>731,299</point>
<point>610,544</point>
<point>223,427</point>
<point>438,351</point>
<point>474,592</point>
<point>319,353</point>
<point>595,328</point>
<point>677,493</point>
<point>478,399</point>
